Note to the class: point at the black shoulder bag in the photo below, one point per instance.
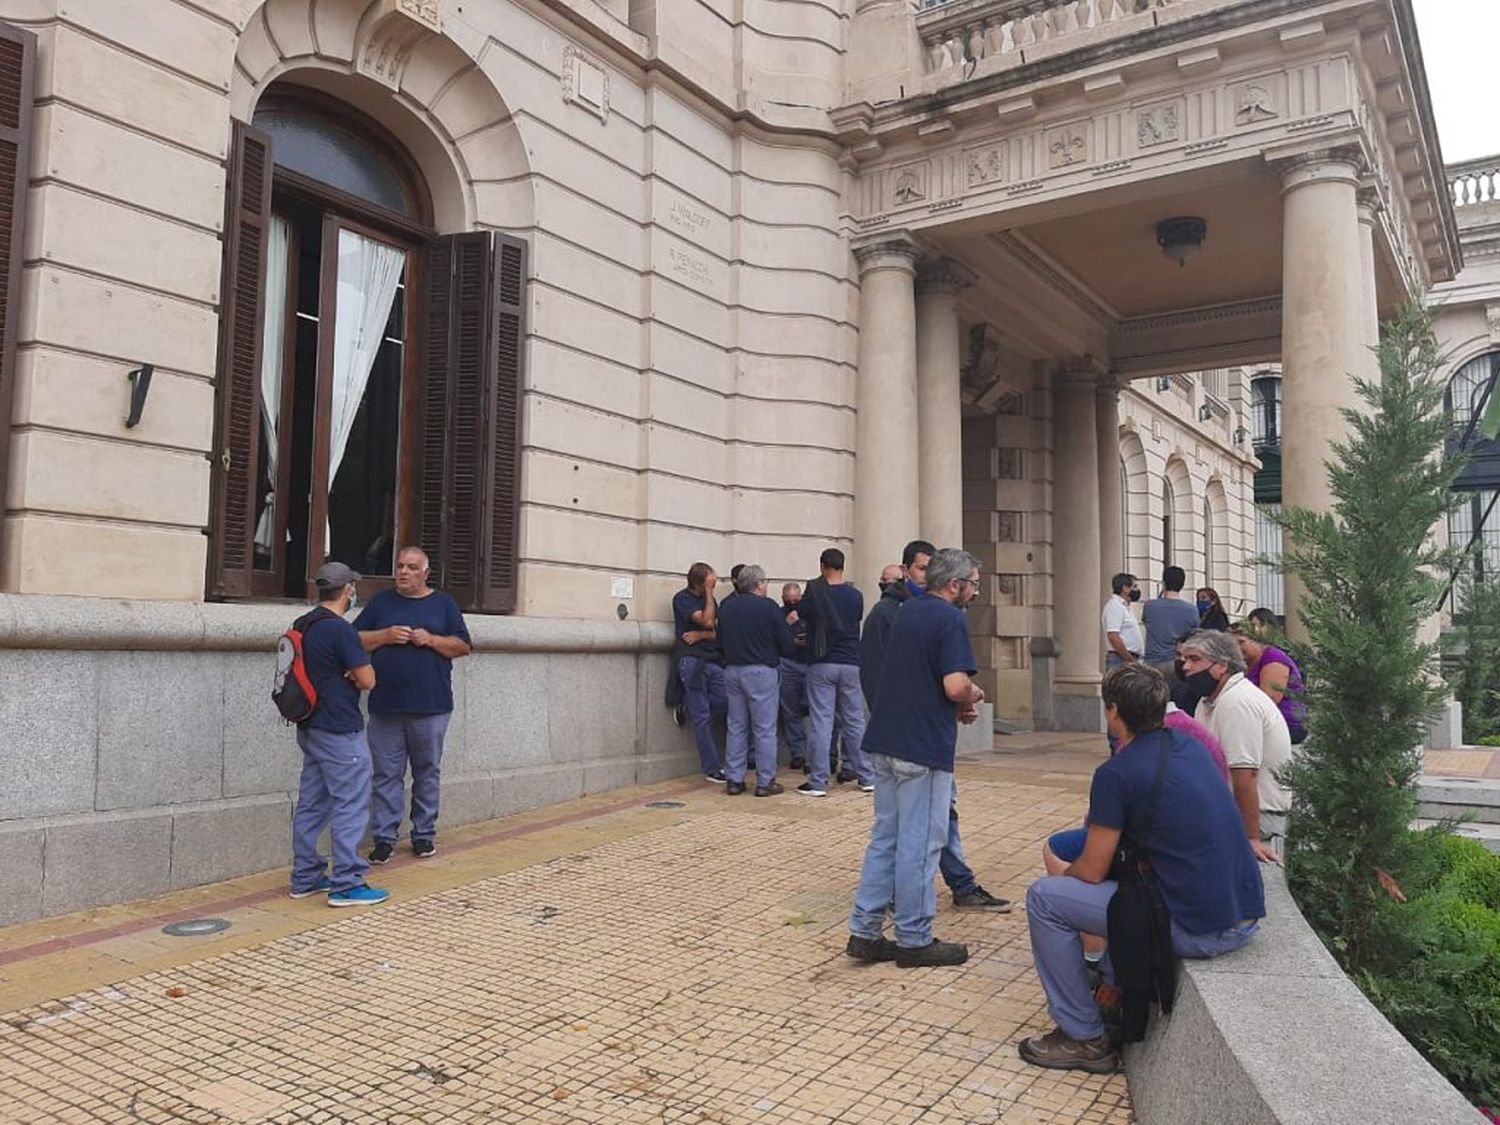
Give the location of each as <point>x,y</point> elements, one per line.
<point>1140,929</point>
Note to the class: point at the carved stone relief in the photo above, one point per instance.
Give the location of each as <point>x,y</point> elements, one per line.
<point>1158,125</point>
<point>1008,527</point>
<point>1255,102</point>
<point>984,166</point>
<point>1010,463</point>
<point>1067,144</point>
<point>391,33</point>
<point>585,82</point>
<point>909,184</point>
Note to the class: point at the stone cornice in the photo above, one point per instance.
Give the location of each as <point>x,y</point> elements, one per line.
<point>889,250</point>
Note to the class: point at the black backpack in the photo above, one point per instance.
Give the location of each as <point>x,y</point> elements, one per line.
<point>293,691</point>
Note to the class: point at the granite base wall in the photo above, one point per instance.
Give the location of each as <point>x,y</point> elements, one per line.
<point>142,753</point>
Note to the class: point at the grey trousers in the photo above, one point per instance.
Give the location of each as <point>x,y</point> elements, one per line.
<point>754,694</point>
<point>396,740</point>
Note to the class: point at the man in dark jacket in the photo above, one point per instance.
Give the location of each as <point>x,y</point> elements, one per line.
<point>908,582</point>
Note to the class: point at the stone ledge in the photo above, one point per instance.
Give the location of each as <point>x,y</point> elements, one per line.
<point>1276,1034</point>
<point>44,621</point>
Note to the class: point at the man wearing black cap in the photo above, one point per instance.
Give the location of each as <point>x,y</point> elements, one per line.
<point>335,787</point>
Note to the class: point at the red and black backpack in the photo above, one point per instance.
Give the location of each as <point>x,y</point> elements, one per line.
<point>293,691</point>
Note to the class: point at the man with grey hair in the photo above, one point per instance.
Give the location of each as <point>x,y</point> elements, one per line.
<point>413,634</point>
<point>1252,731</point>
<point>925,692</point>
<point>755,636</point>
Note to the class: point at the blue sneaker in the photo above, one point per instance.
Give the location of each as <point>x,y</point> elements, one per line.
<point>321,887</point>
<point>358,896</point>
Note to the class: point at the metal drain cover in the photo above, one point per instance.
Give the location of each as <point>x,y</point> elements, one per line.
<point>665,804</point>
<point>196,927</point>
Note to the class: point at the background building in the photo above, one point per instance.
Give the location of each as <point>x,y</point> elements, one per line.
<point>576,292</point>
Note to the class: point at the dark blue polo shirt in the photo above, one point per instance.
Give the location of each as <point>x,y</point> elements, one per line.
<point>799,630</point>
<point>412,679</point>
<point>685,603</point>
<point>914,718</point>
<point>753,631</point>
<point>1209,877</point>
<point>330,647</point>
<point>845,610</point>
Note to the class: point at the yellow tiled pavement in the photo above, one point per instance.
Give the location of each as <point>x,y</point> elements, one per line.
<point>691,970</point>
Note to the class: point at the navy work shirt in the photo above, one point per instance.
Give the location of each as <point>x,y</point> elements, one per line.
<point>914,718</point>
<point>685,603</point>
<point>1209,877</point>
<point>412,679</point>
<point>330,647</point>
<point>753,630</point>
<point>799,630</point>
<point>837,619</point>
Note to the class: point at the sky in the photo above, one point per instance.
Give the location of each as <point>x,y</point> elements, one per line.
<point>1461,50</point>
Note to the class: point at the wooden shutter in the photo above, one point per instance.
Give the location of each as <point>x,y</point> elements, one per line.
<point>247,223</point>
<point>17,86</point>
<point>472,330</point>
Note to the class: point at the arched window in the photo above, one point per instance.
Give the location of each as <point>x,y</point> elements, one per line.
<point>1466,387</point>
<point>1168,508</point>
<point>358,412</point>
<point>1125,512</point>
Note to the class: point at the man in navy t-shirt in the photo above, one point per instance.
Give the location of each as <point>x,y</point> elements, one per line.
<point>925,691</point>
<point>700,662</point>
<point>335,789</point>
<point>413,634</point>
<point>755,637</point>
<point>833,610</point>
<point>1209,878</point>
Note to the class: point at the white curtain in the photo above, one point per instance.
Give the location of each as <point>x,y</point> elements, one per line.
<point>273,353</point>
<point>369,273</point>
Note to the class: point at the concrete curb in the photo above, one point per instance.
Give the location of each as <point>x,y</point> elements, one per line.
<point>1276,1034</point>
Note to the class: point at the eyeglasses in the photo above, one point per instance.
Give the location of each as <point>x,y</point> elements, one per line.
<point>970,582</point>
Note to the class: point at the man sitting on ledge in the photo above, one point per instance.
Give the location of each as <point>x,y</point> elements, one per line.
<point>1209,877</point>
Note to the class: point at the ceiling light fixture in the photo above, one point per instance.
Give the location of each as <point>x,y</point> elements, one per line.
<point>1181,238</point>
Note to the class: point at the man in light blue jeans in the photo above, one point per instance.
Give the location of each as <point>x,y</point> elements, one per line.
<point>833,609</point>
<point>1168,799</point>
<point>925,691</point>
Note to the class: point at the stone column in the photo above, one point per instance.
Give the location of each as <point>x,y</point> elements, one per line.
<point>1076,581</point>
<point>939,406</point>
<point>1324,324</point>
<point>886,497</point>
<point>1367,207</point>
<point>1111,493</point>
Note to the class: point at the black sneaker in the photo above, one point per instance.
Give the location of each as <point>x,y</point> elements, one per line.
<point>381,852</point>
<point>734,788</point>
<point>871,949</point>
<point>678,715</point>
<point>933,953</point>
<point>422,849</point>
<point>981,899</point>
<point>769,790</point>
<point>715,778</point>
<point>808,789</point>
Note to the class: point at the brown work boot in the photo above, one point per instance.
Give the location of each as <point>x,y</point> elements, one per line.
<point>1057,1051</point>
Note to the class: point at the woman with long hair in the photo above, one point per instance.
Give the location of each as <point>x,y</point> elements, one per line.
<point>1211,614</point>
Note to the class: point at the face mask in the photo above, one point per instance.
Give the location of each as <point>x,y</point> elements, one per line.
<point>1204,607</point>
<point>1135,595</point>
<point>1202,681</point>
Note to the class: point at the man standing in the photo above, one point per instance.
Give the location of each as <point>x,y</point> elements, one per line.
<point>925,691</point>
<point>700,662</point>
<point>1168,619</point>
<point>1252,731</point>
<point>793,687</point>
<point>755,637</point>
<point>833,609</point>
<point>334,792</point>
<point>1122,632</point>
<point>908,581</point>
<point>414,634</point>
<point>1164,791</point>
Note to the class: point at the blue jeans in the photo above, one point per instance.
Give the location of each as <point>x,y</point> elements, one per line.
<point>912,804</point>
<point>1058,909</point>
<point>952,863</point>
<point>833,689</point>
<point>394,741</point>
<point>753,700</point>
<point>793,706</point>
<point>334,794</point>
<point>703,697</point>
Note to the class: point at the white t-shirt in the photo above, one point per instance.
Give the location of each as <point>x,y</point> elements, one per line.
<point>1117,618</point>
<point>1254,736</point>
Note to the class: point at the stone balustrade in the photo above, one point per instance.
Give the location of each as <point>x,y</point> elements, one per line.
<point>1475,181</point>
<point>957,33</point>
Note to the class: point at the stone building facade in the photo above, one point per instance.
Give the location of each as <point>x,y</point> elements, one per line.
<point>576,292</point>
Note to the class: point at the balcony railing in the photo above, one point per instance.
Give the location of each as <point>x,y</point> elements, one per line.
<point>958,33</point>
<point>1474,181</point>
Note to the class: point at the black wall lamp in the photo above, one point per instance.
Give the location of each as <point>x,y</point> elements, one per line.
<point>1182,237</point>
<point>140,386</point>
<point>1205,412</point>
<point>1164,383</point>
